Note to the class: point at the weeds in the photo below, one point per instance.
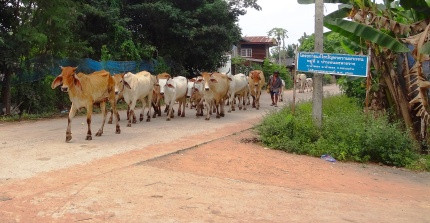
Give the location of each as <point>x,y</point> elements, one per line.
<point>347,134</point>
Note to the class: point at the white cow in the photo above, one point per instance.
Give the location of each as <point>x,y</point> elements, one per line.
<point>238,87</point>
<point>309,84</point>
<point>138,87</point>
<point>281,91</point>
<point>174,89</point>
<point>301,81</point>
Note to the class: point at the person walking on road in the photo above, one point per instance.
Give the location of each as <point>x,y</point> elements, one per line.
<point>275,85</point>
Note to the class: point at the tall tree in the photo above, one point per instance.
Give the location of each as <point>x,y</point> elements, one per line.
<point>195,34</point>
<point>279,34</point>
<point>32,28</point>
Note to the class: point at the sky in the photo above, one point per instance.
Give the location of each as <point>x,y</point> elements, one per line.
<point>287,14</point>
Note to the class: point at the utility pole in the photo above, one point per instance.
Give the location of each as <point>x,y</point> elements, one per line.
<point>317,94</point>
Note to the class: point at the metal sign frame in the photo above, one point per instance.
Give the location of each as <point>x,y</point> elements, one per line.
<point>337,64</point>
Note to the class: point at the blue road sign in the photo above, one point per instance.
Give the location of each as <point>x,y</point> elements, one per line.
<point>328,63</point>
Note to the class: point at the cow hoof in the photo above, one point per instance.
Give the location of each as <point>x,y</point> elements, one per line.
<point>68,138</point>
<point>99,133</point>
<point>148,120</point>
<point>110,122</point>
<point>258,108</point>
<point>154,116</point>
<point>118,130</point>
<point>207,119</point>
<point>244,109</point>
<point>222,114</point>
<point>229,111</point>
<point>168,119</point>
<point>218,116</point>
<point>88,138</point>
<point>129,125</point>
<point>183,115</point>
<point>234,109</point>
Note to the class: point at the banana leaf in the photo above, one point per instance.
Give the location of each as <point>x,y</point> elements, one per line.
<point>351,29</point>
<point>425,49</point>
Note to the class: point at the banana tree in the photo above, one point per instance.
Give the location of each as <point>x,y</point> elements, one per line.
<point>386,30</point>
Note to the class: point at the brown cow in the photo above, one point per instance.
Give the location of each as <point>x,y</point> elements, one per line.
<point>84,91</point>
<point>216,86</point>
<point>256,82</point>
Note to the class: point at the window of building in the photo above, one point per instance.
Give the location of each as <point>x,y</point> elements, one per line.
<point>246,52</point>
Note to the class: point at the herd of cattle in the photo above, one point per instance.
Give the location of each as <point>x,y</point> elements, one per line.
<point>208,92</point>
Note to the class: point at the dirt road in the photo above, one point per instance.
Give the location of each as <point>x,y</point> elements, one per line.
<point>191,170</point>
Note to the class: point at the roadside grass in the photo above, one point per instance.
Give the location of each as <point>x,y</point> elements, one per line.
<point>347,134</point>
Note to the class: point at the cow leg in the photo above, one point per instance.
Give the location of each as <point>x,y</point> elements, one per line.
<point>179,107</point>
<point>89,113</point>
<point>230,100</point>
<point>103,108</point>
<point>155,110</point>
<point>183,108</point>
<point>221,105</point>
<point>111,116</point>
<point>113,105</point>
<point>148,105</point>
<point>72,114</point>
<point>132,113</point>
<point>208,110</point>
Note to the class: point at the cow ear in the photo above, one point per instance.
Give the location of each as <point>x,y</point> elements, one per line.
<point>126,84</point>
<point>230,79</point>
<point>57,82</point>
<point>170,86</point>
<point>74,69</point>
<point>77,82</point>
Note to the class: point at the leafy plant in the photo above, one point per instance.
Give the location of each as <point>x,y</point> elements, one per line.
<point>347,134</point>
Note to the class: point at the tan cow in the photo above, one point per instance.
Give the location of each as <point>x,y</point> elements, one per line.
<point>84,90</point>
<point>119,87</point>
<point>256,82</point>
<point>216,86</point>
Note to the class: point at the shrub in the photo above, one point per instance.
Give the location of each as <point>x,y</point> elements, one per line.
<point>347,134</point>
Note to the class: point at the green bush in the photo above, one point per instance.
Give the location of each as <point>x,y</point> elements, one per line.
<point>37,97</point>
<point>347,134</point>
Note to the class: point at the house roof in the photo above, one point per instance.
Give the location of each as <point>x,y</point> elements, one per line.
<point>260,40</point>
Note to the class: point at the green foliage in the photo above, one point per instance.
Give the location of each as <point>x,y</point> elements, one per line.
<point>37,97</point>
<point>333,43</point>
<point>268,69</point>
<point>353,87</point>
<point>195,34</point>
<point>347,134</point>
<point>162,66</point>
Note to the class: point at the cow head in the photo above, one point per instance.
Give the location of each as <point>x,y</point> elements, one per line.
<point>67,79</point>
<point>126,80</point>
<point>119,83</point>
<point>162,83</point>
<point>255,76</point>
<point>208,79</point>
